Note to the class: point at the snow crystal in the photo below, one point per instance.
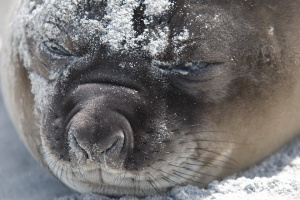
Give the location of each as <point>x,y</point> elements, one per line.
<point>158,7</point>
<point>120,28</point>
<point>42,89</point>
<point>158,43</point>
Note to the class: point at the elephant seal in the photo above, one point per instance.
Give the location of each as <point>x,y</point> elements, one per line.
<point>131,97</point>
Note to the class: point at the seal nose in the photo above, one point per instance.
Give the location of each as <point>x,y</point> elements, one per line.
<point>103,138</point>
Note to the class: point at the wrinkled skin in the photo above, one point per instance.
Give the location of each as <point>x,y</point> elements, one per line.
<point>144,129</point>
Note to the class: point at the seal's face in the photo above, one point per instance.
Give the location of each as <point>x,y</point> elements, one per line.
<point>135,97</point>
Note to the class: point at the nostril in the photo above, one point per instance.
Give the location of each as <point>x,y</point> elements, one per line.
<point>116,143</point>
<point>107,145</point>
<point>77,152</point>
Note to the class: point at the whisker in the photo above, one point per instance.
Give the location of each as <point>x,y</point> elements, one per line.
<point>193,170</point>
<point>82,175</point>
<point>208,165</point>
<point>194,157</point>
<point>213,141</point>
<point>216,153</point>
<point>157,180</point>
<point>165,177</point>
<point>204,131</point>
<point>224,163</point>
<point>209,131</point>
<point>139,186</point>
<point>61,171</point>
<point>152,183</point>
<point>67,177</point>
<point>176,173</point>
<point>169,180</point>
<point>171,175</point>
<point>57,168</point>
<point>74,176</point>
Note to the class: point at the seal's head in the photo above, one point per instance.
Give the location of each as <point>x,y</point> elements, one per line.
<point>135,97</point>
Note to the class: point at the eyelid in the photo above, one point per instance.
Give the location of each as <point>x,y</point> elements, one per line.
<point>187,68</point>
<point>56,49</point>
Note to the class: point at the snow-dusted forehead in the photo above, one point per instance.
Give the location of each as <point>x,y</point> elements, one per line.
<point>114,26</point>
<point>93,23</point>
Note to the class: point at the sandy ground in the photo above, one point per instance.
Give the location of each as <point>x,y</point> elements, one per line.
<point>21,177</point>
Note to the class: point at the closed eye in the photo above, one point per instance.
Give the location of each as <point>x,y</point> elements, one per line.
<point>188,68</point>
<point>57,49</point>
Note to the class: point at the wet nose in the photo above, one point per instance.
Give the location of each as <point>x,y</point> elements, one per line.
<point>102,138</point>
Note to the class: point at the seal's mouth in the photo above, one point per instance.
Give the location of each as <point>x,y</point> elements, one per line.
<point>109,125</point>
<point>103,136</point>
<point>104,140</point>
<point>109,138</point>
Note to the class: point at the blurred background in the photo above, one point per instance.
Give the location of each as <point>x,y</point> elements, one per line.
<point>21,177</point>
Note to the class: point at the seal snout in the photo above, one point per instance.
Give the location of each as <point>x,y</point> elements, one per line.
<point>101,137</point>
